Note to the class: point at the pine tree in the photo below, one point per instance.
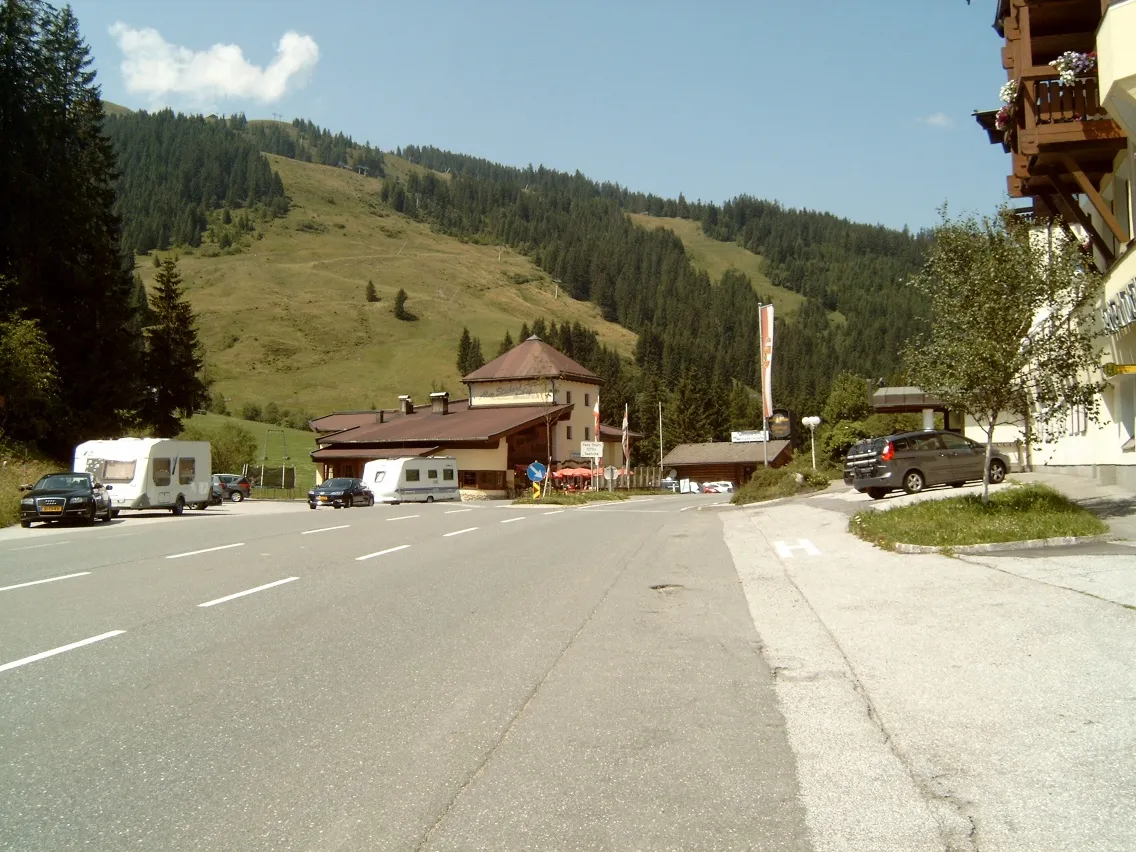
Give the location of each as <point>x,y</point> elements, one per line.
<point>464,346</point>
<point>525,333</point>
<point>173,363</point>
<point>372,294</point>
<point>476,359</point>
<point>506,344</point>
<point>400,311</point>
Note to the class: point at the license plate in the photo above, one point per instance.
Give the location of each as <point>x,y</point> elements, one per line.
<point>323,498</point>
<point>47,510</point>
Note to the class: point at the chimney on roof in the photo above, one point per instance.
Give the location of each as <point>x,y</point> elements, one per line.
<point>440,402</point>
<point>405,404</point>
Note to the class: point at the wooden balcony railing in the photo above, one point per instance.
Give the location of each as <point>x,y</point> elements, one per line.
<point>1051,113</point>
<point>1055,103</point>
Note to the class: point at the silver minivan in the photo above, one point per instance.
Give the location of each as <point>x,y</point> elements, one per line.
<point>915,460</point>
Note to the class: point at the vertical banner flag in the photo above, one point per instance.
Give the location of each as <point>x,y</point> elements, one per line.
<point>626,442</point>
<point>765,316</point>
<point>596,436</point>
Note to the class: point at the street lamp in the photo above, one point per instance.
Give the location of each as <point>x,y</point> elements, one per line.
<point>812,423</point>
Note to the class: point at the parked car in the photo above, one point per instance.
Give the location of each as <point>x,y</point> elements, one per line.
<point>915,460</point>
<point>65,496</point>
<point>232,487</point>
<point>669,485</point>
<point>722,487</point>
<point>342,492</point>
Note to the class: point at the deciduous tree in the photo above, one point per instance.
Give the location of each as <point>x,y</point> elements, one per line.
<point>1010,324</point>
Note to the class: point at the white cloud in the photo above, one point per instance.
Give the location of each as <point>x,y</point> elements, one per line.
<point>937,119</point>
<point>152,66</point>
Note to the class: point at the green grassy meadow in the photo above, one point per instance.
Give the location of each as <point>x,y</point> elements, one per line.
<point>286,320</point>
<point>297,443</point>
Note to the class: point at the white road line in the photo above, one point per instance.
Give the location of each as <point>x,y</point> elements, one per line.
<point>48,580</point>
<point>249,591</point>
<point>510,520</point>
<point>403,518</point>
<point>457,511</point>
<point>325,529</point>
<point>121,535</point>
<point>37,546</point>
<point>45,654</point>
<point>785,551</point>
<point>556,512</point>
<point>381,552</point>
<point>688,508</point>
<point>458,532</point>
<point>206,550</point>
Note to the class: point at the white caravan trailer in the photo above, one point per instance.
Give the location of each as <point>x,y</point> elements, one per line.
<point>412,480</point>
<point>149,473</point>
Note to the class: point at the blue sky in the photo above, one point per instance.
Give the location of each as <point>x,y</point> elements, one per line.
<point>859,108</point>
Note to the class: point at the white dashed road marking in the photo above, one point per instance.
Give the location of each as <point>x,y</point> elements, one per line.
<point>37,546</point>
<point>206,550</point>
<point>556,512</point>
<point>381,552</point>
<point>248,592</point>
<point>458,532</point>
<point>402,518</point>
<point>48,580</point>
<point>785,551</point>
<point>325,529</point>
<point>511,520</point>
<point>45,654</point>
<point>456,511</point>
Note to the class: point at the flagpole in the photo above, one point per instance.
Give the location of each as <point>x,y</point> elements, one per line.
<point>764,419</point>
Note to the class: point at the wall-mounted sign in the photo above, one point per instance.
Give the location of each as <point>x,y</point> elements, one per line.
<point>509,393</point>
<point>748,437</point>
<point>780,425</point>
<point>1120,311</point>
<point>1111,370</point>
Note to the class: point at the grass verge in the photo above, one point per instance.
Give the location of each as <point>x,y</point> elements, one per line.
<point>1017,514</point>
<point>19,467</point>
<point>571,498</point>
<point>772,483</point>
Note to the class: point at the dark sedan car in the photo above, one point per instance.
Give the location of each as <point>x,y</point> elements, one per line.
<point>65,496</point>
<point>914,460</point>
<point>342,493</point>
<point>231,487</point>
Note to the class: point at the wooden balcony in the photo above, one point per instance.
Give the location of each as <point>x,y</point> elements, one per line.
<point>1051,116</point>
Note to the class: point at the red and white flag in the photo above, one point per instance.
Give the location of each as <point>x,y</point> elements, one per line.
<point>596,436</point>
<point>765,318</point>
<point>626,441</point>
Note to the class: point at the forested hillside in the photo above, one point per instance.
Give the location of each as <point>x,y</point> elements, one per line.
<point>308,142</point>
<point>174,169</point>
<point>577,230</point>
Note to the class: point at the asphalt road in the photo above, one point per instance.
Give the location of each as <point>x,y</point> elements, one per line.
<point>411,677</point>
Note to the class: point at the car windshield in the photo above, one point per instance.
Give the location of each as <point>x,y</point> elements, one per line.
<point>337,483</point>
<point>58,481</point>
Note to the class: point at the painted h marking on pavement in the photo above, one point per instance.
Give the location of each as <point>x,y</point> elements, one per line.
<point>248,592</point>
<point>45,654</point>
<point>381,552</point>
<point>206,550</point>
<point>48,580</point>
<point>785,551</point>
<point>325,529</point>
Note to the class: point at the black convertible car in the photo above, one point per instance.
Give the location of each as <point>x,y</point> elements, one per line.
<point>65,496</point>
<point>342,493</point>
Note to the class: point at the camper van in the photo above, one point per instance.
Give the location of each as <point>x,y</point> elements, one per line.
<point>149,473</point>
<point>412,480</point>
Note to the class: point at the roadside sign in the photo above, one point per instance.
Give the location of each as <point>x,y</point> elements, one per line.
<point>1111,370</point>
<point>610,473</point>
<point>591,449</point>
<point>536,472</point>
<point>747,437</point>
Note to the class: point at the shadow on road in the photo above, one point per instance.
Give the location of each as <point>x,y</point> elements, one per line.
<point>1110,507</point>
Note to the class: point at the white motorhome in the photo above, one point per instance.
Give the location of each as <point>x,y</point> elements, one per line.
<point>412,480</point>
<point>150,473</point>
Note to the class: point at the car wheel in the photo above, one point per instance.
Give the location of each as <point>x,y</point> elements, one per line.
<point>25,524</point>
<point>430,499</point>
<point>109,516</point>
<point>311,505</point>
<point>997,472</point>
<point>89,521</point>
<point>877,493</point>
<point>236,496</point>
<point>349,502</point>
<point>957,484</point>
<point>179,506</point>
<point>913,482</point>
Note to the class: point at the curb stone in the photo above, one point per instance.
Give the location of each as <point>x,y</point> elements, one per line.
<point>994,547</point>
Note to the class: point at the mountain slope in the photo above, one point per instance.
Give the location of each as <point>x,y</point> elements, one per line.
<point>285,320</point>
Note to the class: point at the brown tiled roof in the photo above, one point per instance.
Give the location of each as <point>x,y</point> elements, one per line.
<point>532,359</point>
<point>461,424</point>
<point>749,452</point>
<point>330,453</point>
<point>337,421</point>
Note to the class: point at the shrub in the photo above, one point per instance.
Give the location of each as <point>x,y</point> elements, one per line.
<point>250,411</point>
<point>232,446</point>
